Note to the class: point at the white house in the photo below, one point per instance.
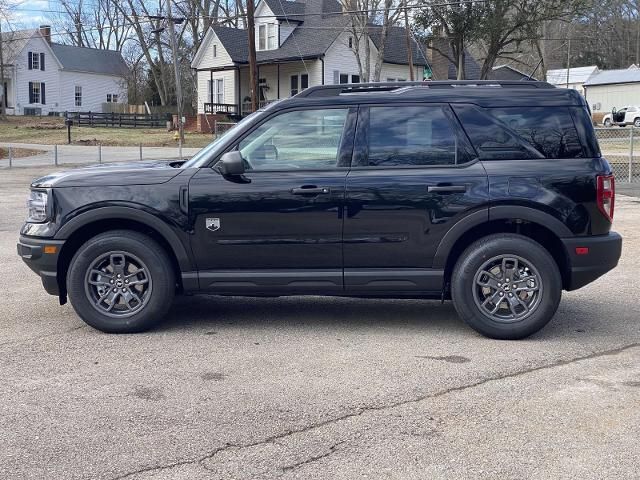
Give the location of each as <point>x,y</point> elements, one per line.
<point>42,77</point>
<point>574,79</point>
<point>299,44</point>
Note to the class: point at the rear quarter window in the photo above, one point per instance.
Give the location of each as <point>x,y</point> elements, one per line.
<point>521,132</point>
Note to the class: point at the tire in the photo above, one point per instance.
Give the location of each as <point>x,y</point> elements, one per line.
<point>636,122</point>
<point>146,277</point>
<point>607,123</point>
<point>511,321</point>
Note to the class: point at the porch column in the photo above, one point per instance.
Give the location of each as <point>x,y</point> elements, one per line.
<point>239,112</point>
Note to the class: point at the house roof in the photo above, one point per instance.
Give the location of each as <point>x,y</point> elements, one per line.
<point>507,72</point>
<point>576,75</point>
<point>313,35</point>
<point>92,60</point>
<point>609,77</point>
<point>395,50</point>
<point>14,42</point>
<point>471,68</point>
<point>285,9</point>
<point>80,59</point>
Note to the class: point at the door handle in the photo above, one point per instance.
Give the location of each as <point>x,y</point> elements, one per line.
<point>311,190</point>
<point>447,188</point>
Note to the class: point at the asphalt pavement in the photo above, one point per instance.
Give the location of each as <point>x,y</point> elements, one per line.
<point>317,388</point>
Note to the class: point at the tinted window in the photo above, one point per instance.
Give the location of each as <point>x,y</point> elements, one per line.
<point>549,130</point>
<point>291,140</point>
<point>414,135</point>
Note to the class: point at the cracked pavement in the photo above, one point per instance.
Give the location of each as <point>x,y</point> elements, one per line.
<point>315,388</point>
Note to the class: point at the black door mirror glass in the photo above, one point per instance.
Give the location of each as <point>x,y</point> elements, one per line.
<point>231,163</point>
<point>614,110</point>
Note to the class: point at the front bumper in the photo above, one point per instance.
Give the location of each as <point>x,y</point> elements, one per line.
<point>603,255</point>
<point>34,254</point>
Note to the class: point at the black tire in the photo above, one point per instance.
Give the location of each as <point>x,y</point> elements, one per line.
<point>143,305</point>
<point>636,122</point>
<point>607,123</point>
<point>469,297</point>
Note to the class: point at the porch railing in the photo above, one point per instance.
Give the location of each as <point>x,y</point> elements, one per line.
<point>220,108</point>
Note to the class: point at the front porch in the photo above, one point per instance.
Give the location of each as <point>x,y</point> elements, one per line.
<point>7,91</point>
<point>227,89</point>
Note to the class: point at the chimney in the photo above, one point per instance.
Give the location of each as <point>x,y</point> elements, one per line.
<point>438,45</point>
<point>45,32</point>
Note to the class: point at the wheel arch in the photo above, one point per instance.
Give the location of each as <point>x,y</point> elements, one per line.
<point>89,224</point>
<point>537,225</point>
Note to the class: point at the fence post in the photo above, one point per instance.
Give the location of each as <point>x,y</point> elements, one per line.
<point>55,155</point>
<point>631,155</point>
<point>99,153</point>
<point>10,156</point>
<point>140,151</point>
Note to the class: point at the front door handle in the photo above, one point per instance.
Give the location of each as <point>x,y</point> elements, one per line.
<point>310,190</point>
<point>447,188</point>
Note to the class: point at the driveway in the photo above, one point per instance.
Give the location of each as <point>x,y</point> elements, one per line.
<point>317,388</point>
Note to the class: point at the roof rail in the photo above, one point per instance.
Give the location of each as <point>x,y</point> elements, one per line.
<point>345,88</point>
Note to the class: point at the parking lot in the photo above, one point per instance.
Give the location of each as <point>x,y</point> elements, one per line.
<point>317,387</point>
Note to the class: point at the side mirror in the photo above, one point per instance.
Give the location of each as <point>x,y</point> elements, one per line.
<point>231,163</point>
<point>613,110</point>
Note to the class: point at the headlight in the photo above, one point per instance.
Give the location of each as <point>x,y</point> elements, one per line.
<point>37,205</point>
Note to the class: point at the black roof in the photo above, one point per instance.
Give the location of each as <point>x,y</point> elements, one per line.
<point>507,72</point>
<point>285,9</point>
<point>395,50</point>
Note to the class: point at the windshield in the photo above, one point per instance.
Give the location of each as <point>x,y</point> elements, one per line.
<point>204,155</point>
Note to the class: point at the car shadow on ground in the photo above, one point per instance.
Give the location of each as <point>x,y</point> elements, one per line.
<point>203,311</point>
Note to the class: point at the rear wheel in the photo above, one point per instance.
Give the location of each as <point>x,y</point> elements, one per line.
<point>506,286</point>
<point>607,122</point>
<point>636,122</point>
<point>121,282</point>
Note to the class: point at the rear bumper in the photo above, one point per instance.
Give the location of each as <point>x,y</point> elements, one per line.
<point>604,253</point>
<point>32,252</point>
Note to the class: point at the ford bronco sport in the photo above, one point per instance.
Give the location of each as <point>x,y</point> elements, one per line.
<point>492,194</point>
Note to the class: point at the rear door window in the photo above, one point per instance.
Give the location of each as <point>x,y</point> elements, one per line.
<point>420,135</point>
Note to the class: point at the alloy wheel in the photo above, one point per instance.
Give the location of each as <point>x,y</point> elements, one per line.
<point>507,288</point>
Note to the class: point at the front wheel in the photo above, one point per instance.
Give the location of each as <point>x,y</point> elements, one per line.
<point>121,282</point>
<point>506,286</point>
<point>607,123</point>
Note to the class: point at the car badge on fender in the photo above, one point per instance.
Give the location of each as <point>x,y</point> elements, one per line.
<point>213,224</point>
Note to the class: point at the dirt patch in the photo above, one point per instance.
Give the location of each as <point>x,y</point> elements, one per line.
<point>19,152</point>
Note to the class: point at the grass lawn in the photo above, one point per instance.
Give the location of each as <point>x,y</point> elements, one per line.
<point>51,131</point>
<point>18,152</point>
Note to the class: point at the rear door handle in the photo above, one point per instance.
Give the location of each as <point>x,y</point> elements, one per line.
<point>311,190</point>
<point>447,188</point>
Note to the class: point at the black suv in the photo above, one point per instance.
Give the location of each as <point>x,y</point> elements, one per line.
<point>493,194</point>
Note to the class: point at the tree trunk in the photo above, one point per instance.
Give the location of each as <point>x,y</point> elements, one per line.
<point>253,74</point>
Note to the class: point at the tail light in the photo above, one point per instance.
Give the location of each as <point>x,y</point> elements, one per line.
<point>606,195</point>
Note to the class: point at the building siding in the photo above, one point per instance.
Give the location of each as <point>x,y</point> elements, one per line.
<point>50,77</point>
<point>609,96</point>
<point>94,90</point>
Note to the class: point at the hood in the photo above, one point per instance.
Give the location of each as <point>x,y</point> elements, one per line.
<point>112,174</point>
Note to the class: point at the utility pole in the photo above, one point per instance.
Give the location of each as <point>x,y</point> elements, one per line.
<point>253,73</point>
<point>409,49</point>
<point>568,60</point>
<point>176,68</point>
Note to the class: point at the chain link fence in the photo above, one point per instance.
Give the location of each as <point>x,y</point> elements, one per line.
<point>59,155</point>
<point>621,147</point>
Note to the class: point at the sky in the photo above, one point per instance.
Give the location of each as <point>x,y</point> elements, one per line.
<point>31,13</point>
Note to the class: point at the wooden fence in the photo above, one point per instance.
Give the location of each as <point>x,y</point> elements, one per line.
<point>132,120</point>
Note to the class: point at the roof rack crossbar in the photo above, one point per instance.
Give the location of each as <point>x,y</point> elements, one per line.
<point>335,90</point>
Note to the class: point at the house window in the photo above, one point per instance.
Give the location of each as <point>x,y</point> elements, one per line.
<point>78,96</point>
<point>271,37</point>
<point>35,92</point>
<point>346,78</point>
<point>215,51</point>
<point>35,61</point>
<point>304,81</point>
<point>216,91</point>
<point>112,98</point>
<point>262,37</point>
<point>294,84</point>
<point>299,83</point>
<point>350,42</point>
<point>108,98</point>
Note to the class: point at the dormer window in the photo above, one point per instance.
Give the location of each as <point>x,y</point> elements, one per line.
<point>267,36</point>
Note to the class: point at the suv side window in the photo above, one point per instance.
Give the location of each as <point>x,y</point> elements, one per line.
<point>301,139</point>
<point>550,130</point>
<point>423,135</point>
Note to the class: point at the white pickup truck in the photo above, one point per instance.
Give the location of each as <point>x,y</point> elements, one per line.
<point>629,115</point>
